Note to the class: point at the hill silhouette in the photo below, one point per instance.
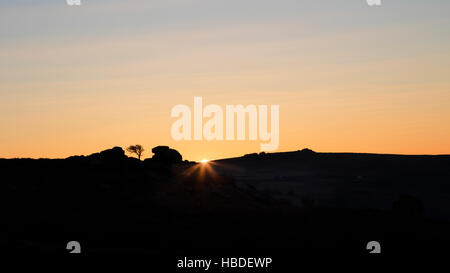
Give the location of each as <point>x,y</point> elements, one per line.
<point>279,203</point>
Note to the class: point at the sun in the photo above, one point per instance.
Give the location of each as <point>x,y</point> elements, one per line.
<point>204,161</point>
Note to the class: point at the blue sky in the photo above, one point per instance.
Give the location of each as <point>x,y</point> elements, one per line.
<point>53,19</point>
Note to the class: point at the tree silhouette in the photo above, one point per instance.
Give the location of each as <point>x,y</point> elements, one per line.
<point>136,149</point>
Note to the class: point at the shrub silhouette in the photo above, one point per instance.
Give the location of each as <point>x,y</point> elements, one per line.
<point>308,202</point>
<point>408,207</point>
<point>136,149</point>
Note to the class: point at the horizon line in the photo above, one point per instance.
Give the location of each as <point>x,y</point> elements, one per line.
<point>241,156</point>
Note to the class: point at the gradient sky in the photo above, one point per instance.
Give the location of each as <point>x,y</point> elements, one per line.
<point>348,77</point>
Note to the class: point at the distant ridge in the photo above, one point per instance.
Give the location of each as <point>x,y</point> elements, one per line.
<point>309,152</point>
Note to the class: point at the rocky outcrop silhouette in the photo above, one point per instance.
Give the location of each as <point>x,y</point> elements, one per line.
<point>165,155</point>
<point>115,153</point>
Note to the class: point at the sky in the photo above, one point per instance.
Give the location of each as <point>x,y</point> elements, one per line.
<point>348,77</point>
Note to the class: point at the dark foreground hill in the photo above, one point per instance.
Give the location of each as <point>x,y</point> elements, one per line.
<point>270,204</point>
<point>346,180</point>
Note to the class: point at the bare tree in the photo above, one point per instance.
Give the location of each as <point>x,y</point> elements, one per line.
<point>136,149</point>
